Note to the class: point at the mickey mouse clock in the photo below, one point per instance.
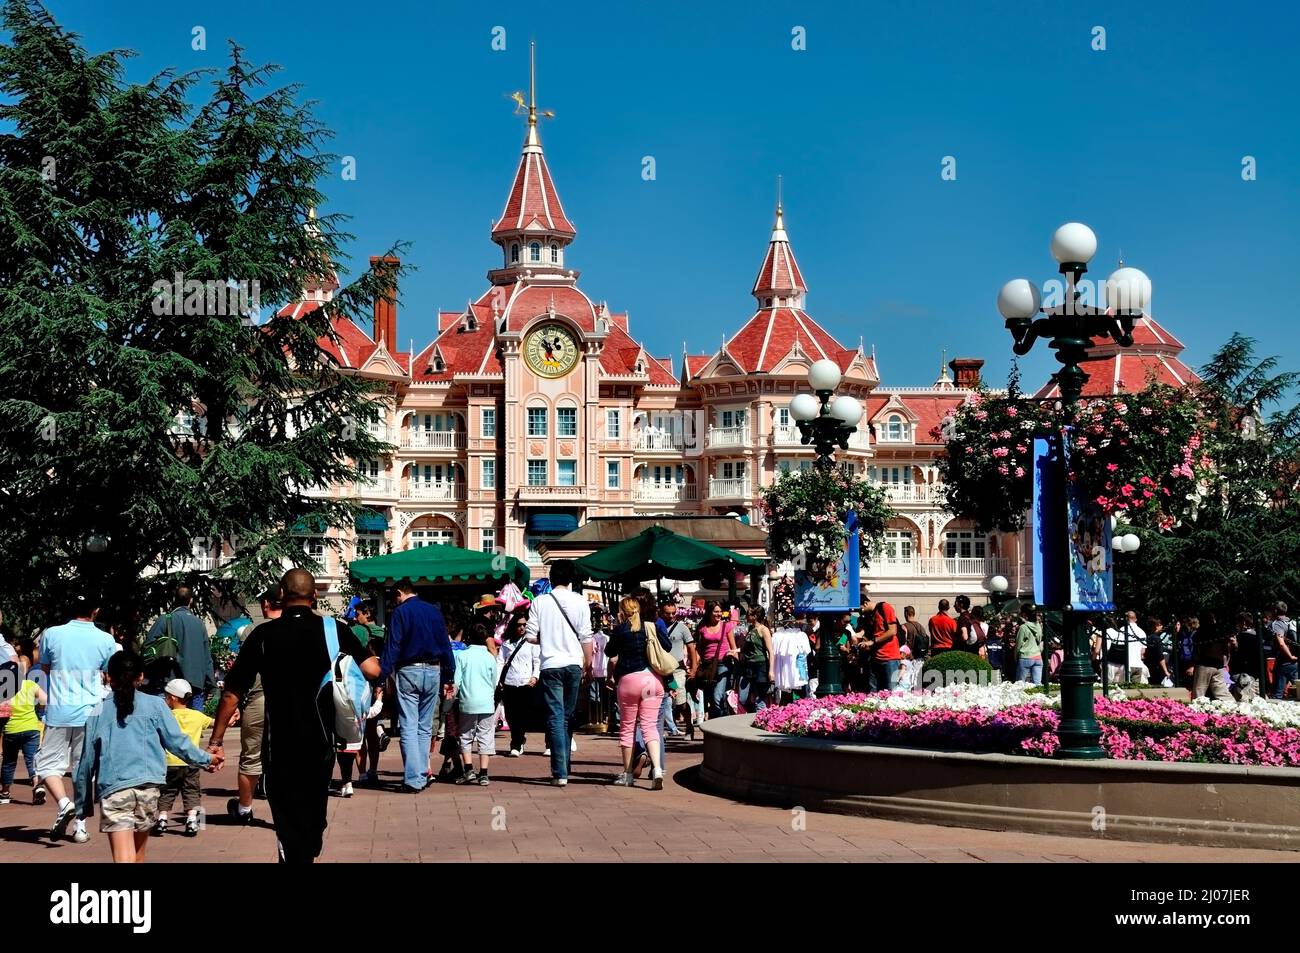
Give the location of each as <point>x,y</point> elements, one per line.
<point>551,351</point>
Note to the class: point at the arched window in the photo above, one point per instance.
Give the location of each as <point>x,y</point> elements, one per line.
<point>535,251</point>
<point>896,429</point>
<point>514,254</point>
<point>555,254</point>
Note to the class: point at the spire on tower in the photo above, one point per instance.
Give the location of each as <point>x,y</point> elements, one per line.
<point>779,281</point>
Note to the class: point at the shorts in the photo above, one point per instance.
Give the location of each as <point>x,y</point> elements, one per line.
<point>60,751</point>
<point>680,696</point>
<point>252,723</point>
<point>131,809</point>
<point>480,730</point>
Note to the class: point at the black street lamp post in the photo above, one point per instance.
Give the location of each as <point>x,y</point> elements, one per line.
<point>1071,326</point>
<point>826,424</point>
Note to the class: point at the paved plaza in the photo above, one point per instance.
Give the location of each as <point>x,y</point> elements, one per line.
<point>520,817</point>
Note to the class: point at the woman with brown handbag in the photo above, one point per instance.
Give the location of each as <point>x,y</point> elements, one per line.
<point>715,637</point>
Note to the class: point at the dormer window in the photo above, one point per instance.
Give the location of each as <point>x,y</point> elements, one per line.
<point>514,254</point>
<point>555,254</point>
<point>768,303</point>
<point>471,322</point>
<point>535,251</point>
<point>640,367</point>
<point>439,365</point>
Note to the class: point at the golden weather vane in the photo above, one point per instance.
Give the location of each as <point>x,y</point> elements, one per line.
<point>529,107</point>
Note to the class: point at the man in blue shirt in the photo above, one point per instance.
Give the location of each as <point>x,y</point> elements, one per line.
<point>73,656</point>
<point>418,655</point>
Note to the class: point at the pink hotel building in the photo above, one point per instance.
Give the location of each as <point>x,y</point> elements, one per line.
<point>535,408</point>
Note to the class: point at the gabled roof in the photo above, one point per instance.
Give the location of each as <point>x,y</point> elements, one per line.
<point>463,351</point>
<point>527,300</point>
<point>767,337</point>
<point>927,411</point>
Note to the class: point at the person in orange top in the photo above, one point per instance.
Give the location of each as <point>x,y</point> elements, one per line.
<point>943,629</point>
<point>880,626</point>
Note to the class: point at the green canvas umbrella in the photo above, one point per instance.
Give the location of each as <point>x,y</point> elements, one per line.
<point>439,565</point>
<point>657,552</point>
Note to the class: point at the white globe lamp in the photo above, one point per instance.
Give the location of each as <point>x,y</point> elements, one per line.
<point>1019,299</point>
<point>805,407</point>
<point>1074,244</point>
<point>1128,289</point>
<point>824,375</point>
<point>846,409</point>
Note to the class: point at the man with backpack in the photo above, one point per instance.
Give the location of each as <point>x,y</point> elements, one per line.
<point>177,646</point>
<point>878,624</point>
<point>918,639</point>
<point>292,654</point>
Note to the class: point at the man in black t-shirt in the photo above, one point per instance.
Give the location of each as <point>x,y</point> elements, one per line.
<point>290,655</point>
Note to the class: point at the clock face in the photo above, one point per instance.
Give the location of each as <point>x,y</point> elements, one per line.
<point>551,351</point>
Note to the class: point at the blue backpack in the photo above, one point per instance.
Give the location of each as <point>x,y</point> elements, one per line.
<point>351,691</point>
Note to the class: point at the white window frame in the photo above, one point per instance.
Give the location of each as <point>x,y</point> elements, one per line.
<point>560,421</point>
<point>537,415</point>
<point>955,539</point>
<point>613,474</point>
<point>368,543</point>
<point>488,421</point>
<point>535,466</point>
<point>489,539</point>
<point>566,466</point>
<point>613,423</point>
<point>488,474</point>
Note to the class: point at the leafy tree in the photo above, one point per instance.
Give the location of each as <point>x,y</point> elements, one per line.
<point>110,192</point>
<point>1239,546</point>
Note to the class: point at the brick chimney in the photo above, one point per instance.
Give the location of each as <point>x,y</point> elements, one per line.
<point>385,326</point>
<point>966,372</point>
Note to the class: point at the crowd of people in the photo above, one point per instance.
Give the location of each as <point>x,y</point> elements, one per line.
<point>313,694</point>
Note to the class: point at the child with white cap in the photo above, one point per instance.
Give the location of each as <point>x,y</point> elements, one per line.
<point>182,779</point>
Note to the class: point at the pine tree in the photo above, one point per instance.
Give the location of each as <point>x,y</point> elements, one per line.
<point>112,193</point>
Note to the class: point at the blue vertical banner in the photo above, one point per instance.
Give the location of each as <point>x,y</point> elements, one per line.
<point>1049,522</point>
<point>1092,577</point>
<point>1072,554</point>
<point>834,586</point>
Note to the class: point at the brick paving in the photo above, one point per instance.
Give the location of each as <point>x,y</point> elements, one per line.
<point>520,817</point>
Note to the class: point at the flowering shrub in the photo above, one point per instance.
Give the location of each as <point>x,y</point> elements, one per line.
<point>1008,719</point>
<point>805,515</point>
<point>1140,455</point>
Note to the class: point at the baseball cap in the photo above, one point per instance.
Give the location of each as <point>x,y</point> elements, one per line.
<point>178,687</point>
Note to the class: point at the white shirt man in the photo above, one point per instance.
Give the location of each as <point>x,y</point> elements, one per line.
<point>1134,640</point>
<point>560,623</point>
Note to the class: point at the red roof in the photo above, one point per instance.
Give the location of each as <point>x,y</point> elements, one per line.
<point>528,301</point>
<point>692,364</point>
<point>929,410</point>
<point>769,335</point>
<point>463,351</point>
<point>533,202</point>
<point>779,274</point>
<point>619,356</point>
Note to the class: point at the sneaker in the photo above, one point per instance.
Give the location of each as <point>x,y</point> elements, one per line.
<point>4,797</point>
<point>559,782</point>
<point>160,828</point>
<point>573,745</point>
<point>80,836</point>
<point>657,780</point>
<point>546,752</point>
<point>232,809</point>
<point>623,780</point>
<point>516,752</point>
<point>63,819</point>
<point>369,778</point>
<point>38,796</point>
<point>483,780</point>
<point>191,827</point>
<point>469,777</point>
<point>346,790</point>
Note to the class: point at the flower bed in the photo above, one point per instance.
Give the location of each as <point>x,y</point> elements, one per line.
<point>1008,719</point>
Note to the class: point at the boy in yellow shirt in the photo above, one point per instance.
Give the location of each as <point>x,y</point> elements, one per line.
<point>22,732</point>
<point>181,778</point>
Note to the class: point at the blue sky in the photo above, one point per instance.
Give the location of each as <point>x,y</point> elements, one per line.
<point>1144,141</point>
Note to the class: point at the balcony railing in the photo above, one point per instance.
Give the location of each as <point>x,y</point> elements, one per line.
<point>382,432</point>
<point>660,441</point>
<point>374,487</point>
<point>912,492</point>
<point>534,492</point>
<point>665,492</point>
<point>435,490</point>
<point>729,436</point>
<point>418,439</point>
<point>962,566</point>
<point>729,489</point>
<point>789,437</point>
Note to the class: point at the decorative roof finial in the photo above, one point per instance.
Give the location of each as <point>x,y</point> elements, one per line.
<point>780,214</point>
<point>529,108</point>
<point>1121,258</point>
<point>311,214</point>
